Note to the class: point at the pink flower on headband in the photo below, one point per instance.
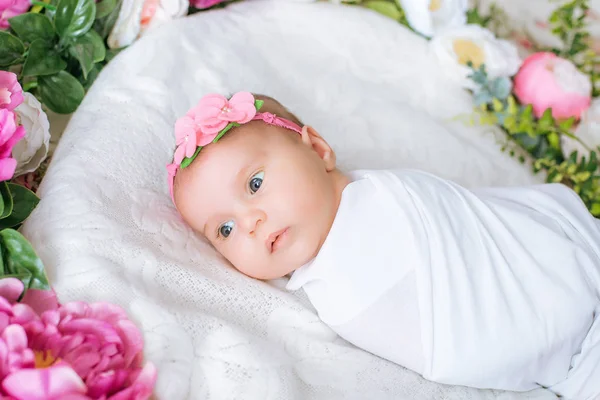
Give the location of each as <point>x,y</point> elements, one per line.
<point>214,112</point>
<point>186,136</point>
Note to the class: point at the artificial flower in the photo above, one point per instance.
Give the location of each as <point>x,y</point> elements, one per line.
<point>203,4</point>
<point>36,299</point>
<point>429,17</point>
<point>11,8</point>
<point>588,132</point>
<point>10,134</point>
<point>11,93</point>
<point>187,133</point>
<point>455,47</point>
<point>58,382</point>
<point>138,16</point>
<point>548,81</point>
<point>33,149</point>
<point>100,344</point>
<point>214,112</point>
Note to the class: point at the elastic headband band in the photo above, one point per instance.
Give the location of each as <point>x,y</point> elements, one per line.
<point>214,116</point>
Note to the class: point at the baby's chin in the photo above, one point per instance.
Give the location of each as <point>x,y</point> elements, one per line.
<point>275,271</point>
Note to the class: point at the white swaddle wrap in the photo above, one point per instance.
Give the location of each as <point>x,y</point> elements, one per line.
<point>492,288</point>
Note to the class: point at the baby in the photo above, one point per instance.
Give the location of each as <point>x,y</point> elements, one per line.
<point>489,288</point>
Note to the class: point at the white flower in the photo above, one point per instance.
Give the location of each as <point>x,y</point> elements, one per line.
<point>455,47</point>
<point>428,17</point>
<point>33,148</point>
<point>588,131</point>
<point>137,16</point>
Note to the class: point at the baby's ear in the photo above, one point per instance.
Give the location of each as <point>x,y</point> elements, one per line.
<point>311,138</point>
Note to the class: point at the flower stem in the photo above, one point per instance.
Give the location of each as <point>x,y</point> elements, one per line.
<point>43,5</point>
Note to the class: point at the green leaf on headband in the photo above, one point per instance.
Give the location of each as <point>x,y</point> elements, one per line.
<point>258,104</point>
<point>224,131</point>
<point>188,160</point>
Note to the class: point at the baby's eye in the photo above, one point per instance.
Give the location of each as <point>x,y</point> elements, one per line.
<point>226,229</point>
<point>255,181</point>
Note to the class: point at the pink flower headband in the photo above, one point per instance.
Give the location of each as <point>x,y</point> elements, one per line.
<point>214,116</point>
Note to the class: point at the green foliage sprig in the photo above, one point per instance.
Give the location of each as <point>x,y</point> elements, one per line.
<point>569,24</point>
<point>539,137</point>
<point>58,49</point>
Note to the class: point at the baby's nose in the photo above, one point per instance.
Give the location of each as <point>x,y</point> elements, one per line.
<point>253,219</point>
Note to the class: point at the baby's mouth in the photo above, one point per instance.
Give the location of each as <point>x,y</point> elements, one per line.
<point>275,240</point>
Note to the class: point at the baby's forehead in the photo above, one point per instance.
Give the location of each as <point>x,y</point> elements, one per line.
<point>216,167</point>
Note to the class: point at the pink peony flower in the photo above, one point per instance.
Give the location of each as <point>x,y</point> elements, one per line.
<point>11,93</point>
<point>202,4</point>
<point>10,134</point>
<point>75,351</point>
<point>100,344</point>
<point>548,81</point>
<point>14,351</point>
<point>12,8</point>
<point>54,383</point>
<point>214,112</point>
<point>38,300</point>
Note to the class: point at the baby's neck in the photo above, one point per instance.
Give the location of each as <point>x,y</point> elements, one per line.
<point>340,181</point>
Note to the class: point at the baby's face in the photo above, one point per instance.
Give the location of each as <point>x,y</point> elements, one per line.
<point>265,197</point>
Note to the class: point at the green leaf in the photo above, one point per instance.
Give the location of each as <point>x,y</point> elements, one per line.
<point>88,49</point>
<point>21,261</point>
<point>43,60</point>
<point>573,157</point>
<point>11,49</point>
<point>99,47</point>
<point>258,104</point>
<point>87,83</point>
<point>74,17</point>
<point>24,201</point>
<point>567,124</point>
<point>105,7</point>
<point>554,140</point>
<point>497,105</point>
<point>30,27</point>
<point>389,9</point>
<point>501,88</point>
<point>5,200</point>
<point>482,97</point>
<point>547,121</point>
<point>188,160</point>
<point>112,53</point>
<point>595,209</point>
<point>593,163</point>
<point>62,92</point>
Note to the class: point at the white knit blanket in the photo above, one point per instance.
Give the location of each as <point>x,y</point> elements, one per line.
<point>106,229</point>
